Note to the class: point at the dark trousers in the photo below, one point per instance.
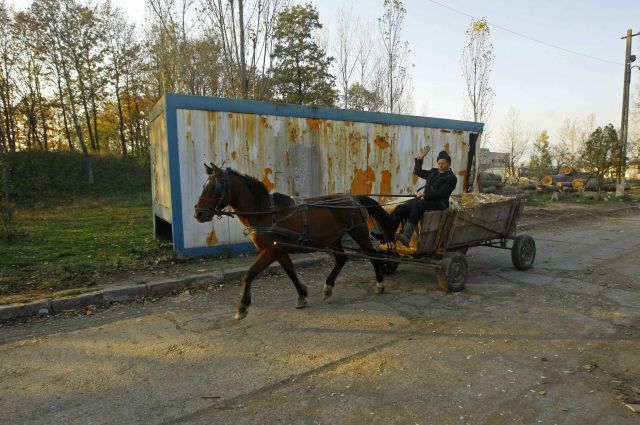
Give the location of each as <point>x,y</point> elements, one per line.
<point>413,210</point>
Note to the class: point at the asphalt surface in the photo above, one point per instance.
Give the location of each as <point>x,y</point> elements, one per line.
<point>557,344</point>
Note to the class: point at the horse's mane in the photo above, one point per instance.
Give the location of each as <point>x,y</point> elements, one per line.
<point>259,190</point>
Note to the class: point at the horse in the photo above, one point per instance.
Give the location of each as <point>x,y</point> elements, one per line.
<point>279,225</point>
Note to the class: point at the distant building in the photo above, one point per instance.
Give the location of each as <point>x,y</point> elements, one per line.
<point>492,162</point>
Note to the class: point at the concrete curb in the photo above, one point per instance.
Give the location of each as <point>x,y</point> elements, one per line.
<point>134,292</point>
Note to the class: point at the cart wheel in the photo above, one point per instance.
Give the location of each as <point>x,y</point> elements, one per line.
<point>453,274</point>
<point>523,252</point>
<point>389,267</point>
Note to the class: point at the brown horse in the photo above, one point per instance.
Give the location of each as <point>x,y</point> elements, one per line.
<point>274,219</point>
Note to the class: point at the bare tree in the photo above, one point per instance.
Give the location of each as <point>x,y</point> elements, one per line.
<point>345,50</point>
<point>9,55</point>
<point>573,134</point>
<point>397,66</point>
<point>515,141</point>
<point>477,59</point>
<point>244,30</point>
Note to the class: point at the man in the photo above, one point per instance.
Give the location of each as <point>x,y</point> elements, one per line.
<point>440,183</point>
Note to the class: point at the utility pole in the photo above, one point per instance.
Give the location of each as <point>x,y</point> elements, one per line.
<point>622,163</point>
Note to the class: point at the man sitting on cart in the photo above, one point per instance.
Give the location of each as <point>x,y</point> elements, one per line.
<point>434,195</point>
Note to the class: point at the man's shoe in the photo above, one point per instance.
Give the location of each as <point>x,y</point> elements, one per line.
<point>407,232</point>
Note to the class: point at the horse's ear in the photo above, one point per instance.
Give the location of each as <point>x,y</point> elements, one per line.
<point>208,169</point>
<point>215,168</point>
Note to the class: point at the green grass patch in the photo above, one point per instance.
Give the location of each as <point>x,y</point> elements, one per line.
<point>545,199</point>
<point>74,245</point>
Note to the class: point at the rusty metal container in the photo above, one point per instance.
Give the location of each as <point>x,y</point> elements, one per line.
<point>292,149</point>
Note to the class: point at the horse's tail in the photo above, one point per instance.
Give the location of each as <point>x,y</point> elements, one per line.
<point>379,214</point>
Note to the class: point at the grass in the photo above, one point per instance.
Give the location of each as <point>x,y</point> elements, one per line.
<point>540,199</point>
<point>63,248</point>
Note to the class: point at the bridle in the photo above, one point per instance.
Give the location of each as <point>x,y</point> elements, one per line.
<point>222,191</point>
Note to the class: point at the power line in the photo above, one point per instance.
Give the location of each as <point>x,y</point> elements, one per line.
<point>526,36</point>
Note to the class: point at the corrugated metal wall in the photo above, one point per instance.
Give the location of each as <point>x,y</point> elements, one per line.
<point>160,183</point>
<point>296,156</point>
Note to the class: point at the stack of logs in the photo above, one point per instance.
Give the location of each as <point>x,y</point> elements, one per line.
<point>569,180</point>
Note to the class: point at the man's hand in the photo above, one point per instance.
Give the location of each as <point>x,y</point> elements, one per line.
<point>424,152</point>
<point>420,194</point>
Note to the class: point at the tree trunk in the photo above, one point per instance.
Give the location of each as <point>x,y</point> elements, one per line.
<point>6,156</point>
<point>67,132</point>
<point>74,116</point>
<point>123,141</point>
<point>243,63</point>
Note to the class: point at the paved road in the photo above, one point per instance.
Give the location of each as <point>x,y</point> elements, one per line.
<point>556,344</point>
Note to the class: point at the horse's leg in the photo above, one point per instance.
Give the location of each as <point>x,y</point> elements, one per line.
<point>287,265</point>
<point>265,258</point>
<point>340,262</point>
<point>361,236</point>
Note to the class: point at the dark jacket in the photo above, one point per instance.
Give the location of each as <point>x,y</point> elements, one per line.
<point>439,186</point>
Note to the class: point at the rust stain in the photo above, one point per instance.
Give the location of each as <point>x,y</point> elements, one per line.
<point>286,157</point>
<point>314,124</point>
<point>463,173</point>
<point>447,148</point>
<point>189,118</point>
<point>381,142</point>
<point>363,181</point>
<point>385,183</point>
<point>398,168</point>
<point>234,155</point>
<point>354,142</point>
<point>458,132</point>
<point>293,132</point>
<point>229,115</point>
<point>249,127</point>
<point>445,131</point>
<point>414,180</point>
<point>263,122</point>
<point>266,181</point>
<point>212,238</point>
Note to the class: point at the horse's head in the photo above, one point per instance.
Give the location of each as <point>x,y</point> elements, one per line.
<point>215,194</point>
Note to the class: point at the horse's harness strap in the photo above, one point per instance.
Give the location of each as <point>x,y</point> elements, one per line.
<point>274,216</point>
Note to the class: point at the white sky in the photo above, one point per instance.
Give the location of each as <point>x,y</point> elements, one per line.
<point>545,84</point>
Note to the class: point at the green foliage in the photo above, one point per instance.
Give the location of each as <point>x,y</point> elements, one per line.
<point>364,100</point>
<point>301,72</point>
<point>541,159</point>
<point>601,152</point>
<point>72,246</point>
<point>39,177</point>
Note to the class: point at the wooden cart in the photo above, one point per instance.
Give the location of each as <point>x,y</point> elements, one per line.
<point>443,238</point>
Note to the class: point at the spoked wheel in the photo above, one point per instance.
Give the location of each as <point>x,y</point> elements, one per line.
<point>453,273</point>
<point>523,252</point>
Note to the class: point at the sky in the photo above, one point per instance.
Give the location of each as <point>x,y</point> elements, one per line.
<point>545,84</point>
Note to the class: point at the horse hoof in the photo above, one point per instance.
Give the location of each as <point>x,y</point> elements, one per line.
<point>241,313</point>
<point>326,292</point>
<point>302,302</point>
<point>379,290</point>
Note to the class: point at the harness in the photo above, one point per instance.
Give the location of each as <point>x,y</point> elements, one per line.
<point>222,191</point>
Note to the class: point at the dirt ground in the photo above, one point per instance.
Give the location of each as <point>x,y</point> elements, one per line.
<point>557,344</point>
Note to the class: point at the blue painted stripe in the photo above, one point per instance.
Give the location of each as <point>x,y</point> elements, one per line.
<point>180,101</point>
<point>231,249</point>
<point>177,225</point>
